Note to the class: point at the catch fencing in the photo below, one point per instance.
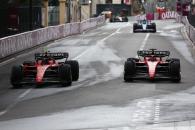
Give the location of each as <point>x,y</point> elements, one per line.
<point>17,43</point>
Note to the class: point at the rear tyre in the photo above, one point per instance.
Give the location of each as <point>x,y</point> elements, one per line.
<point>154,27</point>
<point>65,75</point>
<point>174,69</point>
<point>16,76</point>
<point>134,27</point>
<point>126,19</point>
<point>111,20</point>
<point>74,69</point>
<point>129,70</point>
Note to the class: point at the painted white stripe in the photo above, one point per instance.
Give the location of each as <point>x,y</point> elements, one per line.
<point>15,102</point>
<point>99,42</point>
<point>157,111</point>
<point>3,112</point>
<point>24,94</point>
<point>144,41</point>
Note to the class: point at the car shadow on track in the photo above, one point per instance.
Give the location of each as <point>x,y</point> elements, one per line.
<point>43,86</point>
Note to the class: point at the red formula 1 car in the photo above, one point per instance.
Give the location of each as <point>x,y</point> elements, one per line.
<point>152,64</point>
<point>45,69</point>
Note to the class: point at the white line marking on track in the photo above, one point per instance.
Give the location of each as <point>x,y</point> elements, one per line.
<point>99,42</point>
<point>3,112</point>
<point>144,43</point>
<point>157,111</point>
<point>15,102</point>
<point>25,93</point>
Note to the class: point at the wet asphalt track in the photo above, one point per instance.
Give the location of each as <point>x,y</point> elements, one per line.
<point>101,53</point>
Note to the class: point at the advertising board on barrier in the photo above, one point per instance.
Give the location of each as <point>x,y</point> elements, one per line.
<point>169,15</point>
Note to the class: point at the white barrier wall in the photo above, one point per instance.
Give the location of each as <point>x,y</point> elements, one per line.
<point>16,43</point>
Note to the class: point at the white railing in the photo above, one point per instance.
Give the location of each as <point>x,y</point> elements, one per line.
<point>17,43</point>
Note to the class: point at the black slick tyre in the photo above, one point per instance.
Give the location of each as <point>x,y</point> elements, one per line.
<point>174,69</point>
<point>134,27</point>
<point>65,75</point>
<point>74,69</point>
<point>126,19</point>
<point>129,70</point>
<point>16,76</point>
<point>154,27</point>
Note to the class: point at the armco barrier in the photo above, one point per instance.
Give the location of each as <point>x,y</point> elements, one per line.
<point>66,29</point>
<point>16,43</point>
<point>74,28</point>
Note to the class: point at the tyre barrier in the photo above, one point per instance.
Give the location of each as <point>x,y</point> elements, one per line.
<point>20,42</point>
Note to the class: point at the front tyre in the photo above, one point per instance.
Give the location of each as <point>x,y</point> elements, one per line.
<point>74,69</point>
<point>16,76</point>
<point>154,27</point>
<point>65,75</point>
<point>129,70</point>
<point>174,70</point>
<point>134,27</point>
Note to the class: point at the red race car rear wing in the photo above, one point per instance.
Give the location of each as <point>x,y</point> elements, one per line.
<point>55,56</point>
<point>152,52</point>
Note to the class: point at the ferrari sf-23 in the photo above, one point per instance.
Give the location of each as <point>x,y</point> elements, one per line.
<point>152,64</point>
<point>46,69</point>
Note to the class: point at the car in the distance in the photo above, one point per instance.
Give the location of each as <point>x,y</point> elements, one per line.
<point>119,19</point>
<point>144,26</point>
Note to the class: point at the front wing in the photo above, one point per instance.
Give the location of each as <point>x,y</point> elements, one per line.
<point>50,76</point>
<point>162,72</point>
<point>146,30</point>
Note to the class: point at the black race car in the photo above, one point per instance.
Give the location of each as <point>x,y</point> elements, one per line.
<point>152,65</point>
<point>144,26</point>
<point>45,69</point>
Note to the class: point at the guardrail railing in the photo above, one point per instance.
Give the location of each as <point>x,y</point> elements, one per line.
<point>19,42</point>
